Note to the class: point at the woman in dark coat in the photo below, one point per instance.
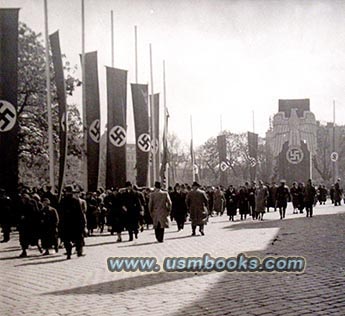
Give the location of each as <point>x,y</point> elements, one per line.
<point>231,202</point>
<point>91,213</point>
<point>116,214</point>
<point>29,224</point>
<point>179,207</point>
<point>147,215</point>
<point>50,221</point>
<point>294,191</point>
<point>243,202</point>
<point>300,197</point>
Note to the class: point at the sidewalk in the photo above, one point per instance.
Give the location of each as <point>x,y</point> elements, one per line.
<point>52,285</point>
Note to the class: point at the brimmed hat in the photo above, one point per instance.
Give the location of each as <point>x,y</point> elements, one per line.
<point>69,189</point>
<point>195,184</point>
<point>128,184</point>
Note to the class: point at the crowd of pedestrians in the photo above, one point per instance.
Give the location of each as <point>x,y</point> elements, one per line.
<point>47,223</point>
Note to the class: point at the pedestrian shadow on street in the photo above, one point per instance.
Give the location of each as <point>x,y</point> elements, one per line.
<point>41,262</point>
<point>11,249</point>
<point>271,223</point>
<point>102,243</point>
<point>17,257</point>
<point>141,244</point>
<point>182,237</point>
<point>126,284</point>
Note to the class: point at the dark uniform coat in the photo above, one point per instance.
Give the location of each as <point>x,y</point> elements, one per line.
<point>197,204</point>
<point>72,219</point>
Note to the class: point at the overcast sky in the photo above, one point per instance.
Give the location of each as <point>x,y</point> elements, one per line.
<point>223,58</point>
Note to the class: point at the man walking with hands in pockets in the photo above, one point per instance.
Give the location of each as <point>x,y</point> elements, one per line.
<point>159,208</point>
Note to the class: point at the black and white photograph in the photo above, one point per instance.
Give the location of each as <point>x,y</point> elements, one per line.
<point>167,158</point>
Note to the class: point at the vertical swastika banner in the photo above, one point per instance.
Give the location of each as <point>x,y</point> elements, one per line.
<point>142,136</point>
<point>253,153</point>
<point>8,99</point>
<point>116,127</point>
<point>61,97</point>
<point>155,144</point>
<point>221,144</point>
<point>92,119</point>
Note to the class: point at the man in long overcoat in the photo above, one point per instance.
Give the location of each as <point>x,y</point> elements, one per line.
<point>309,198</point>
<point>261,195</point>
<point>197,203</point>
<point>283,197</point>
<point>159,208</point>
<point>131,205</point>
<point>179,207</point>
<point>72,223</point>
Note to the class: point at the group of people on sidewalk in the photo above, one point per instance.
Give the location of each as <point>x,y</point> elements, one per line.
<point>44,222</point>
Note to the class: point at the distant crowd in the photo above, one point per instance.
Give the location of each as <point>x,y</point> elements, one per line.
<point>47,223</point>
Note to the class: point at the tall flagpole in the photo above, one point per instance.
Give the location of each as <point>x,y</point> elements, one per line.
<point>192,146</point>
<point>221,124</point>
<point>333,143</point>
<point>84,158</point>
<point>153,128</point>
<point>165,125</point>
<point>112,37</point>
<point>253,114</point>
<point>49,109</point>
<point>136,52</point>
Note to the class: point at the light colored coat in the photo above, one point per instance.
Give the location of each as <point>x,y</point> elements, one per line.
<point>197,203</point>
<point>159,208</point>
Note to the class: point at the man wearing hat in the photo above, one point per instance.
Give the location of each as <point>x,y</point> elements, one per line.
<point>159,208</point>
<point>282,196</point>
<point>72,223</point>
<point>309,198</point>
<point>197,203</point>
<point>132,207</point>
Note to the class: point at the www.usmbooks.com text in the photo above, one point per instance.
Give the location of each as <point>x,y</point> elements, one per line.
<point>206,263</point>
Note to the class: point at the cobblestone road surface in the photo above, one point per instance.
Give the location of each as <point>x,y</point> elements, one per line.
<point>52,286</point>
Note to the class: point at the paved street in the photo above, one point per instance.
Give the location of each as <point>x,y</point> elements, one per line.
<point>52,285</point>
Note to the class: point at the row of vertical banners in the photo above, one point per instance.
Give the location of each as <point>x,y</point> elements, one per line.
<point>146,147</point>
<point>117,113</point>
<point>224,163</point>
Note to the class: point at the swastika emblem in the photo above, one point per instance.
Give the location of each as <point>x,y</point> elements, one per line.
<point>154,146</point>
<point>334,156</point>
<point>8,116</point>
<point>223,166</point>
<point>63,122</point>
<point>94,131</point>
<point>117,136</point>
<point>294,155</point>
<point>144,142</point>
<point>252,162</point>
